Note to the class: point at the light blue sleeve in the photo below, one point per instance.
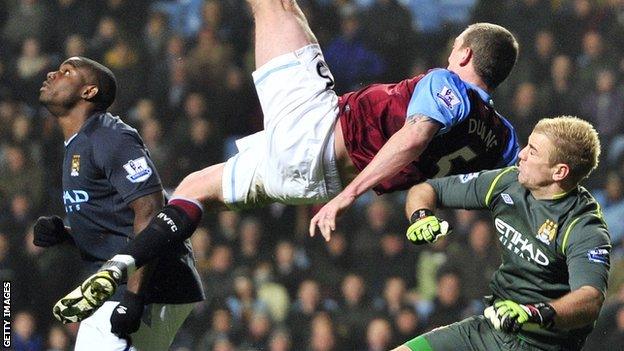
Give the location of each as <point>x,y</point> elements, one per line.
<point>442,96</point>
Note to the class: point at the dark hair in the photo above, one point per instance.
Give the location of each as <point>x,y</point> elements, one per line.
<point>495,51</point>
<point>103,78</point>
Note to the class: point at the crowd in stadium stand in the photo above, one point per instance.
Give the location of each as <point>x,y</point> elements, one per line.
<point>184,76</point>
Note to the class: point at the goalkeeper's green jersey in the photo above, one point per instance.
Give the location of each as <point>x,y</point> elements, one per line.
<point>550,247</point>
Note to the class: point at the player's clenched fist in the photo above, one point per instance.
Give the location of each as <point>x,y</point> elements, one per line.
<point>426,228</point>
<point>49,231</point>
<point>510,316</point>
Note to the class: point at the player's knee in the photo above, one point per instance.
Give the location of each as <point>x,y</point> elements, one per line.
<point>202,186</point>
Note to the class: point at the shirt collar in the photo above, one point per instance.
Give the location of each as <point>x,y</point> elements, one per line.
<point>485,96</point>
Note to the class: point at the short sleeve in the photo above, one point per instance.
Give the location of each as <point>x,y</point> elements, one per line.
<point>441,96</point>
<point>587,249</point>
<point>469,191</point>
<point>126,164</point>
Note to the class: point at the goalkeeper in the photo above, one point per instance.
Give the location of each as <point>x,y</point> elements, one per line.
<point>551,285</point>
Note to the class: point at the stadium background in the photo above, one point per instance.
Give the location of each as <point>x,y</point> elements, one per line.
<point>184,82</point>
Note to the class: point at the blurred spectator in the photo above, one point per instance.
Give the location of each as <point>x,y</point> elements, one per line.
<point>593,58</point>
<point>448,305</point>
<point>218,281</point>
<point>525,109</point>
<point>477,261</point>
<point>354,310</point>
<point>330,261</point>
<point>243,304</point>
<point>378,335</point>
<point>227,227</point>
<point>15,268</point>
<point>352,64</point>
<point>288,272</point>
<point>156,36</point>
<point>12,171</point>
<point>603,106</point>
<point>238,108</point>
<point>516,13</point>
<point>33,12</point>
<point>559,94</point>
<point>280,341</point>
<point>201,241</point>
<point>184,16</point>
<point>365,241</point>
<point>322,334</point>
<point>393,260</point>
<point>206,60</point>
<point>389,33</point>
<point>122,58</point>
<point>274,295</point>
<point>573,19</point>
<point>393,298</point>
<point>32,67</point>
<point>611,199</point>
<point>105,37</point>
<point>58,339</point>
<point>220,328</point>
<point>202,147</point>
<point>608,328</point>
<point>534,65</point>
<point>301,315</point>
<point>73,18</point>
<point>75,45</point>
<point>249,249</point>
<point>258,332</point>
<point>407,325</point>
<point>26,336</point>
<point>230,20</point>
<point>430,259</point>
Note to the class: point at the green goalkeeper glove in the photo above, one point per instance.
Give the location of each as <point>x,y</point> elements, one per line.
<point>426,228</point>
<point>510,316</point>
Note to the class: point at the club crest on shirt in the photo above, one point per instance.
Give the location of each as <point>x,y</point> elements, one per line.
<point>547,232</point>
<point>448,97</point>
<point>75,166</point>
<point>138,170</point>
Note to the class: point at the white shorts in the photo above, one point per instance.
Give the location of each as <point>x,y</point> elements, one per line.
<point>159,325</point>
<point>292,160</point>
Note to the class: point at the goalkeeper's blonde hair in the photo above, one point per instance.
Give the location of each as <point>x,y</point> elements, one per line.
<point>576,144</point>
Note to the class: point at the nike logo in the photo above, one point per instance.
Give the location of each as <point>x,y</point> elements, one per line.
<point>122,309</point>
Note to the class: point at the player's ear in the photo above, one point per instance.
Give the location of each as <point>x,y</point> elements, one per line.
<point>561,172</point>
<point>466,56</point>
<point>89,92</point>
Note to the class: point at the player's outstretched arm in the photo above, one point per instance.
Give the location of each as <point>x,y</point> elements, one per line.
<point>402,148</point>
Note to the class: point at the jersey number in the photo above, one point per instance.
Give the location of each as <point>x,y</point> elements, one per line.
<point>444,164</point>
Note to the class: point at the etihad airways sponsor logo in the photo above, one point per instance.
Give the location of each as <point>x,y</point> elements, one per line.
<point>517,243</point>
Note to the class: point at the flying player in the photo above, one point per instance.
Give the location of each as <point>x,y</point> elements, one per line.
<point>111,190</point>
<point>551,284</point>
<point>385,137</point>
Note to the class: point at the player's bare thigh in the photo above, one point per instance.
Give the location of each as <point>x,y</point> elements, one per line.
<point>204,186</point>
<point>281,28</point>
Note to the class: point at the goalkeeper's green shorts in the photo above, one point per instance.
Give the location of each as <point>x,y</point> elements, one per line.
<point>473,333</point>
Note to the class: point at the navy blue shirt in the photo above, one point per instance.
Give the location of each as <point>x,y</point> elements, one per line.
<point>106,167</point>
